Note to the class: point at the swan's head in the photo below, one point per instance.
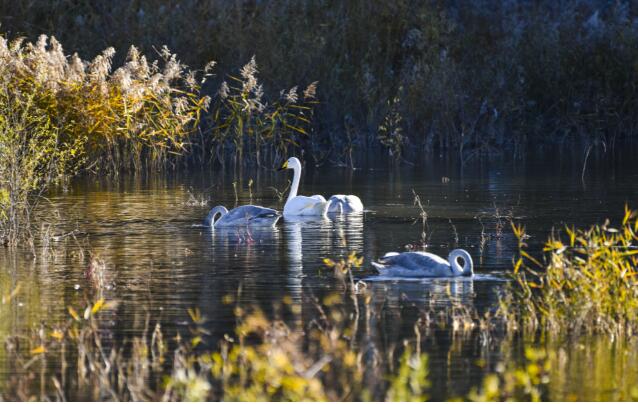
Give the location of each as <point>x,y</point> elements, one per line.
<point>468,265</point>
<point>292,163</point>
<point>214,215</point>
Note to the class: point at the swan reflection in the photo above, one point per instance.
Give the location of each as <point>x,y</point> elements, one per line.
<point>314,238</point>
<point>423,293</point>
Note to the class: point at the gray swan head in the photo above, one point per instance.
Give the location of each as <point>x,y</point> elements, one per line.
<point>468,265</point>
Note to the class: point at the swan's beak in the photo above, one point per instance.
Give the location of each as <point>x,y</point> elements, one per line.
<point>283,166</point>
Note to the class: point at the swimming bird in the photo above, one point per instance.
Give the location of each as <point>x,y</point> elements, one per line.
<point>246,215</point>
<point>344,204</point>
<point>297,205</point>
<point>421,264</point>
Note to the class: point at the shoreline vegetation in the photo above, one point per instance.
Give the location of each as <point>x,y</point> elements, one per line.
<point>334,356</point>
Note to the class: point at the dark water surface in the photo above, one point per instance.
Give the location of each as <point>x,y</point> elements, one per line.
<point>160,261</point>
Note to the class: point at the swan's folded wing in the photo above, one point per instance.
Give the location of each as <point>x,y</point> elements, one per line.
<point>248,212</point>
<point>305,205</point>
<point>411,260</point>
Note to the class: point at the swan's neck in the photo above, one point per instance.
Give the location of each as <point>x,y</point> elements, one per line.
<point>468,266</point>
<point>217,210</point>
<point>295,183</point>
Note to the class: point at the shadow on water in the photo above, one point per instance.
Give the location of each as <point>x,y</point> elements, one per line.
<point>159,261</point>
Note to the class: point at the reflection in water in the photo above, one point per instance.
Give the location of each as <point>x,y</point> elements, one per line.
<point>308,240</point>
<point>424,294</point>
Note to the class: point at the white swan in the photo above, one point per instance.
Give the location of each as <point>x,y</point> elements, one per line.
<point>344,204</point>
<point>297,205</point>
<point>425,265</point>
<point>247,215</point>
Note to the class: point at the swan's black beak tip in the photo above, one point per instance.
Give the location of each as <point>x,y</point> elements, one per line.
<point>283,166</point>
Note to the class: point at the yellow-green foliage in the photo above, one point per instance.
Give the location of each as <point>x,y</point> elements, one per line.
<point>587,281</point>
<point>273,369</point>
<point>142,110</point>
<point>410,381</point>
<point>510,383</point>
<point>33,153</point>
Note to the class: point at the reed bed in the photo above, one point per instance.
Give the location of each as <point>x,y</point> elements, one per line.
<point>121,118</point>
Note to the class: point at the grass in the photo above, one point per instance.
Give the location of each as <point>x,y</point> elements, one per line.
<point>153,114</point>
<point>33,155</point>
<point>123,118</point>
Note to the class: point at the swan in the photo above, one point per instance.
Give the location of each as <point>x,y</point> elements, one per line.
<point>344,204</point>
<point>246,215</point>
<point>425,265</point>
<point>297,205</point>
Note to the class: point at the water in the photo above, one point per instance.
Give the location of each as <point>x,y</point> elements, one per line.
<point>160,261</point>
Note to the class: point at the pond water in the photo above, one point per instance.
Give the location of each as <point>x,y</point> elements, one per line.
<point>160,261</point>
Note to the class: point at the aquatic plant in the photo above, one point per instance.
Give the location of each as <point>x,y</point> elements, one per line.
<point>391,133</point>
<point>263,360</point>
<point>587,281</point>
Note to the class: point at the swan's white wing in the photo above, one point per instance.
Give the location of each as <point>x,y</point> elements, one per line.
<point>429,256</point>
<point>414,264</point>
<point>305,206</point>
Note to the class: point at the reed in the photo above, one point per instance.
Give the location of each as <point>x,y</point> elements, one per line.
<point>137,114</point>
<point>246,127</point>
<point>586,281</point>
